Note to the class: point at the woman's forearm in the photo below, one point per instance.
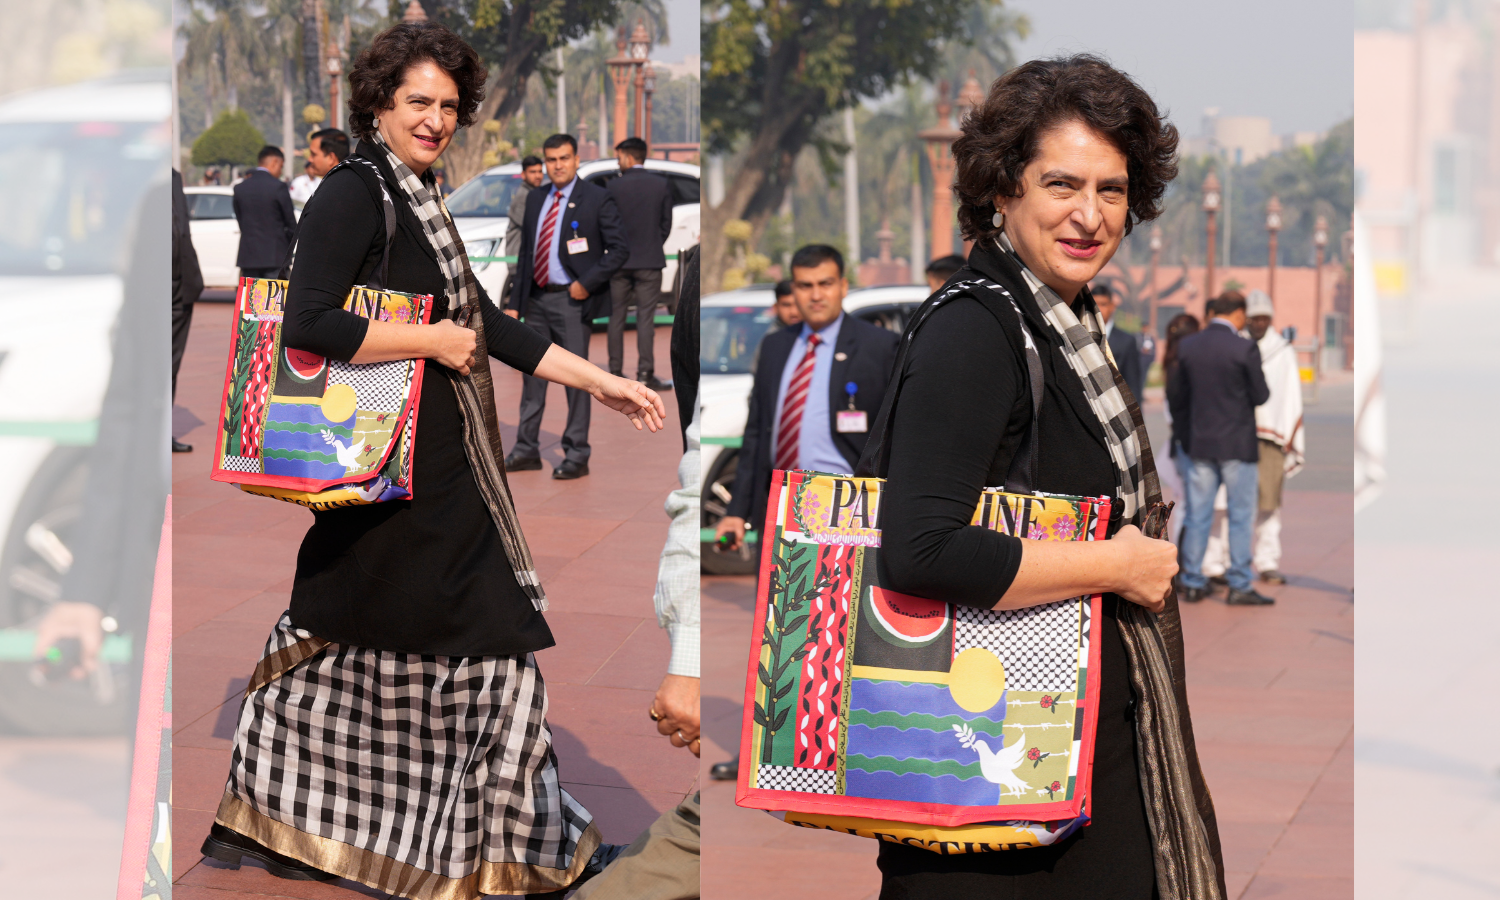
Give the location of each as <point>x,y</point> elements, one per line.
<point>1060,570</point>
<point>385,341</point>
<point>568,369</point>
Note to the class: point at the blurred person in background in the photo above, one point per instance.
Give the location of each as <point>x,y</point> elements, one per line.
<point>942,269</point>
<point>304,185</point>
<point>187,286</point>
<point>1124,345</point>
<point>532,174</point>
<point>1278,425</point>
<point>440,178</point>
<point>263,208</point>
<point>645,202</point>
<point>1216,386</point>
<point>1174,476</point>
<point>784,315</point>
<point>325,149</point>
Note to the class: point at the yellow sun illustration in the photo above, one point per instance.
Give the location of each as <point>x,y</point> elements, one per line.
<point>977,679</point>
<point>338,403</point>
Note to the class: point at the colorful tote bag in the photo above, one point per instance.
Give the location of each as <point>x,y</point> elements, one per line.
<point>319,432</point>
<point>895,717</point>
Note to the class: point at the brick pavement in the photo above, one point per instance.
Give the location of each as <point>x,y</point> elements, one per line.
<point>1272,700</point>
<point>596,542</point>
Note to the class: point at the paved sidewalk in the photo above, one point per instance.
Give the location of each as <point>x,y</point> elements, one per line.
<point>1272,700</point>
<point>596,542</point>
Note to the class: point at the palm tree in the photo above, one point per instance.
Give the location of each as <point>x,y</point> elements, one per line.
<point>226,43</point>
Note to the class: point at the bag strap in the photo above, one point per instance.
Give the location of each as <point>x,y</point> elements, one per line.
<point>381,277</point>
<point>1021,475</point>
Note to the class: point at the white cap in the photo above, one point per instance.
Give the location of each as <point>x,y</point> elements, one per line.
<point>1258,304</point>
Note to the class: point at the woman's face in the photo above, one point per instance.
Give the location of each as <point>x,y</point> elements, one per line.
<point>423,116</point>
<point>1070,216</point>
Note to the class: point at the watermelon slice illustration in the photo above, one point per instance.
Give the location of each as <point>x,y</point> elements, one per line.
<point>304,366</point>
<point>904,620</point>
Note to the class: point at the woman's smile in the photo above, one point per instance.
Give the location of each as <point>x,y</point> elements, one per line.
<point>1080,248</point>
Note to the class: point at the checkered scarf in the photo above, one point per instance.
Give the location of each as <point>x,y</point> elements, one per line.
<point>1085,349</point>
<point>476,392</point>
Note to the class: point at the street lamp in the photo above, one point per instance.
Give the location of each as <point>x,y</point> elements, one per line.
<point>939,140</point>
<point>1273,225</point>
<point>1320,241</point>
<point>335,68</point>
<point>640,50</point>
<point>1211,207</point>
<point>650,84</point>
<point>1151,276</point>
<point>619,71</point>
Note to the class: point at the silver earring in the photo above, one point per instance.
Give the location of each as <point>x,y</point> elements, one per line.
<point>998,218</point>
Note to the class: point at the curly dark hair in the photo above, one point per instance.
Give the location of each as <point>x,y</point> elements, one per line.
<point>1002,135</point>
<point>381,68</point>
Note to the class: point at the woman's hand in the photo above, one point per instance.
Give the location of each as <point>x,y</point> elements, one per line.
<point>1146,567</point>
<point>640,403</point>
<point>452,345</point>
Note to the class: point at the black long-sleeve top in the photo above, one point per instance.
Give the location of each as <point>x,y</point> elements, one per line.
<point>430,574</point>
<point>963,410</point>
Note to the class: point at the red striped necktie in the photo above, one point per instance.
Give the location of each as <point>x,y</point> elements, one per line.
<point>544,242</point>
<point>789,432</point>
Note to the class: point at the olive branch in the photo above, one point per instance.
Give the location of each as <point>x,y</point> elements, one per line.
<point>786,612</point>
<point>235,405</point>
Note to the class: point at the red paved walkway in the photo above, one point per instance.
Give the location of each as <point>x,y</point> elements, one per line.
<point>1272,701</point>
<point>596,542</point>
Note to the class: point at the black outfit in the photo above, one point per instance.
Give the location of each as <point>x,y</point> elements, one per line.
<point>963,411</point>
<point>869,352</point>
<point>1215,387</point>
<point>426,575</point>
<point>1125,346</point>
<point>645,203</point>
<point>263,207</point>
<point>187,277</point>
<point>684,347</point>
<point>556,316</point>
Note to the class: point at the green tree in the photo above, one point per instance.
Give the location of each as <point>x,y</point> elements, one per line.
<point>226,42</point>
<point>779,67</point>
<point>231,141</point>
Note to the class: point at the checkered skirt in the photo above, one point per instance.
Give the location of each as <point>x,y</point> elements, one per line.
<point>429,777</point>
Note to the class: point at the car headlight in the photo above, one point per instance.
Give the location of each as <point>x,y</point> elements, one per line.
<point>481,249</point>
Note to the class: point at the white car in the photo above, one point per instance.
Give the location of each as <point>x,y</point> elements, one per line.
<point>74,164</point>
<point>732,324</point>
<point>216,232</point>
<point>481,207</point>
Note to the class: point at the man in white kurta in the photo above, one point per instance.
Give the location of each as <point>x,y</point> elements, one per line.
<point>1278,424</point>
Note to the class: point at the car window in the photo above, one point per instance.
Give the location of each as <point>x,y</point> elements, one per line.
<point>728,336</point>
<point>890,316</point>
<point>684,190</point>
<point>70,191</point>
<point>210,206</point>
<point>602,179</point>
<point>486,196</point>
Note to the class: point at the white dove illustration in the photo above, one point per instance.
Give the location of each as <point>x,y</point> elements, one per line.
<point>348,456</point>
<point>997,768</point>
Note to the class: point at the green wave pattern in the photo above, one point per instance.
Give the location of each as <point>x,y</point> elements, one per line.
<point>961,771</point>
<point>887,719</point>
<point>327,458</point>
<point>311,428</point>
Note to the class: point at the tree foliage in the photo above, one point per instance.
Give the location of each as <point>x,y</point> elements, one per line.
<point>231,141</point>
<point>779,67</point>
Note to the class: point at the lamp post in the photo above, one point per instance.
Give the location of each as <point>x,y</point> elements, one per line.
<point>650,84</point>
<point>619,70</point>
<point>1320,241</point>
<point>1211,207</point>
<point>1273,225</point>
<point>335,68</point>
<point>1151,276</point>
<point>939,139</point>
<point>640,50</point>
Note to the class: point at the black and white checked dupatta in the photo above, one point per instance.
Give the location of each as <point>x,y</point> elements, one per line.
<point>428,777</point>
<point>476,393</point>
<point>1083,347</point>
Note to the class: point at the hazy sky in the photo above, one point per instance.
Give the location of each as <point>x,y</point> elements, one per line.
<point>1289,60</point>
<point>682,23</point>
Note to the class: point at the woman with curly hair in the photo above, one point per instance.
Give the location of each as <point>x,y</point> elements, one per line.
<point>1053,170</point>
<point>395,731</point>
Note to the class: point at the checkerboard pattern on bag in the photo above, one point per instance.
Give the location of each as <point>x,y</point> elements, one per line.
<point>377,388</point>
<point>787,778</point>
<point>1037,645</point>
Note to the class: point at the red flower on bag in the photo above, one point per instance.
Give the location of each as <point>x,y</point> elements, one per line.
<point>1047,703</point>
<point>1052,789</point>
<point>1034,754</point>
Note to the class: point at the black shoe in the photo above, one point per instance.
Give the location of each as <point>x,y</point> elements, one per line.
<point>180,447</point>
<point>570,470</point>
<point>655,384</point>
<point>728,770</point>
<point>231,847</point>
<point>1217,581</point>
<point>606,854</point>
<point>1192,595</point>
<point>1247,598</point>
<point>1271,576</point>
<point>514,463</point>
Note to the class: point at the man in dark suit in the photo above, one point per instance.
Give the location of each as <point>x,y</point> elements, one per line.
<point>263,207</point>
<point>570,246</point>
<point>645,202</point>
<point>1124,346</point>
<point>816,390</point>
<point>187,286</point>
<point>1215,388</point>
